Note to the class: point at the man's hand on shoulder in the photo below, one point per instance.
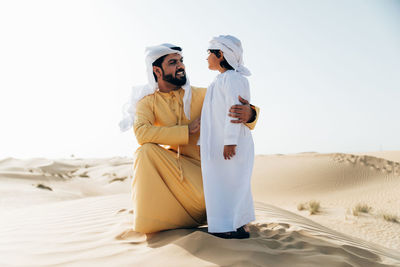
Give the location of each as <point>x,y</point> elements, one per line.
<point>243,113</point>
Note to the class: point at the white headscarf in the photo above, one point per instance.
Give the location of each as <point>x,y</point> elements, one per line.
<point>233,52</point>
<point>138,92</point>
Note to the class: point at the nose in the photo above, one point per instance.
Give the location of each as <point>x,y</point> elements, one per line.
<point>180,65</point>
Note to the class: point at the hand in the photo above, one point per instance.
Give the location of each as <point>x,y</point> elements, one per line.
<point>229,151</point>
<point>194,126</point>
<point>243,113</point>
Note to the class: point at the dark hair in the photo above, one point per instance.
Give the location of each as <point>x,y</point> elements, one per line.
<point>160,60</point>
<point>223,63</point>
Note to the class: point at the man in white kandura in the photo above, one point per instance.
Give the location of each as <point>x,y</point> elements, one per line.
<point>227,149</point>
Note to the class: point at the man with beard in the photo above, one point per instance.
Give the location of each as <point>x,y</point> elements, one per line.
<point>167,189</point>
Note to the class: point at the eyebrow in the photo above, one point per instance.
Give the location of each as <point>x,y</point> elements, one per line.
<point>172,60</point>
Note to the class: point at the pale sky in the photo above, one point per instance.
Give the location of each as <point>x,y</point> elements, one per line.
<point>326,74</point>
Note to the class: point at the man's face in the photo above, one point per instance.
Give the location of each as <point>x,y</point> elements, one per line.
<point>173,70</point>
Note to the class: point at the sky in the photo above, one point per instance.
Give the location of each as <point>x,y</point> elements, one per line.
<point>325,74</point>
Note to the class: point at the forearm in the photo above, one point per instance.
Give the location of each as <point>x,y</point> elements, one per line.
<point>171,135</point>
<point>231,133</point>
<point>251,124</point>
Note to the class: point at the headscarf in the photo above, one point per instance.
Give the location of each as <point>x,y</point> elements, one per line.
<point>152,53</point>
<point>233,52</point>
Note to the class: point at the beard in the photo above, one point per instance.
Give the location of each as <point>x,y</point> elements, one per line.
<point>173,80</point>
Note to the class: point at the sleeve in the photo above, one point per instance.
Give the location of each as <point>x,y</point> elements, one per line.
<point>252,125</point>
<point>234,86</point>
<point>146,132</point>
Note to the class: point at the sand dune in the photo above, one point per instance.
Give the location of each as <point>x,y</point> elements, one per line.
<point>339,182</point>
<point>85,219</point>
<point>388,155</point>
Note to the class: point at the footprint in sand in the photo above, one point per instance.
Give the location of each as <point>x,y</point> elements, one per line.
<point>297,245</point>
<point>84,175</point>
<point>42,186</point>
<point>276,236</point>
<point>271,231</point>
<point>131,237</point>
<point>122,210</point>
<point>118,179</point>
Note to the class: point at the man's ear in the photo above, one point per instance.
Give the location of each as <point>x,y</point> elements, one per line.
<point>221,54</point>
<point>157,71</point>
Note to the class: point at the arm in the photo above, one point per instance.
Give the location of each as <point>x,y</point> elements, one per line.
<point>146,132</point>
<point>234,88</point>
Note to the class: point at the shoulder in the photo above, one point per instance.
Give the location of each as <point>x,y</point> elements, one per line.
<point>233,76</point>
<point>198,91</point>
<point>145,102</point>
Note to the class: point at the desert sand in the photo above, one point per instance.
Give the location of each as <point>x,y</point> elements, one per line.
<point>77,212</point>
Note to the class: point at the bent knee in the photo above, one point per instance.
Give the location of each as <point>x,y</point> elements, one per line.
<point>147,149</point>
